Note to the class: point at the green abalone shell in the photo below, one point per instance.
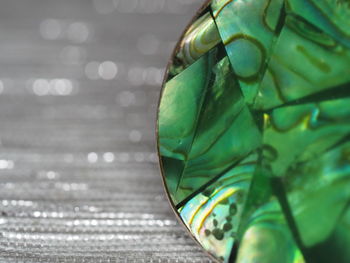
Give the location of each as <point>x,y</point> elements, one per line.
<point>254,130</point>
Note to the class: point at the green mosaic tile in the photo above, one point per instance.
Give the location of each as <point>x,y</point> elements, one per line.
<point>254,130</point>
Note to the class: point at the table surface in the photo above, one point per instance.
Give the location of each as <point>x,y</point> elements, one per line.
<point>79,85</point>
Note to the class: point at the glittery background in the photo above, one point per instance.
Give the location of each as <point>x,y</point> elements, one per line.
<point>79,85</point>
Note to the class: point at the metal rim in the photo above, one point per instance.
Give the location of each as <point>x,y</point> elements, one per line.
<point>161,168</point>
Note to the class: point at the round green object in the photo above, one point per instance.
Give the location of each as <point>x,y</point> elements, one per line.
<point>254,129</point>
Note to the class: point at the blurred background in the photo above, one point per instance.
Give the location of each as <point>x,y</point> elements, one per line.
<point>79,86</point>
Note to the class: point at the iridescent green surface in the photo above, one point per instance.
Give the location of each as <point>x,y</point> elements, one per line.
<point>254,129</point>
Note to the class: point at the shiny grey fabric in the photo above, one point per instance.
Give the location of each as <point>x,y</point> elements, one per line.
<point>79,85</point>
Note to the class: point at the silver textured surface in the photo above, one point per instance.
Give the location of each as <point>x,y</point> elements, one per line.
<point>79,84</point>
